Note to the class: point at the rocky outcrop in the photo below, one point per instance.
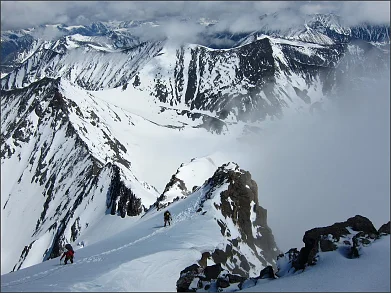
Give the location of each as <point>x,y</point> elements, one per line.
<point>347,237</point>
<point>267,273</point>
<point>214,279</point>
<point>233,196</point>
<point>320,239</point>
<point>23,256</point>
<point>174,183</point>
<point>211,278</point>
<point>239,203</point>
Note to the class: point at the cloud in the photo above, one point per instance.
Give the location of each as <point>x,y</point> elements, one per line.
<point>313,171</point>
<point>232,15</point>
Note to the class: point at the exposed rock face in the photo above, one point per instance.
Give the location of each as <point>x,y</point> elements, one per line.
<point>347,237</point>
<point>234,196</point>
<point>120,198</point>
<point>318,238</point>
<point>186,278</point>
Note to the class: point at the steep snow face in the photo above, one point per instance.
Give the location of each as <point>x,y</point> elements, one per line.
<point>241,84</point>
<point>57,169</point>
<point>42,174</point>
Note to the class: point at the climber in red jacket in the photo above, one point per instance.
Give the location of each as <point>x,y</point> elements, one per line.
<point>68,254</point>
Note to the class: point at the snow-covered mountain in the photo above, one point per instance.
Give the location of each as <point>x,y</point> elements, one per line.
<point>83,108</point>
<point>259,79</point>
<point>325,29</point>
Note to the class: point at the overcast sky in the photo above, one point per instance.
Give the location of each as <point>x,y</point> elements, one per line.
<point>234,15</point>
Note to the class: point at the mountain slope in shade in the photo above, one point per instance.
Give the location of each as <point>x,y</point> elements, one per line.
<point>144,247</point>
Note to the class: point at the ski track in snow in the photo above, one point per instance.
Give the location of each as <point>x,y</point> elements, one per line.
<point>34,277</point>
<point>94,258</point>
<point>182,216</point>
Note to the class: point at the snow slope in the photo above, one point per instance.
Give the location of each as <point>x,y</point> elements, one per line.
<point>148,257</point>
<point>144,249</point>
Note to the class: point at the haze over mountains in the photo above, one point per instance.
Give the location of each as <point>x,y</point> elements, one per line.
<point>102,124</point>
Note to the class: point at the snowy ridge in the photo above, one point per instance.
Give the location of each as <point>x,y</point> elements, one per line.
<point>324,29</point>
<point>86,66</point>
<point>187,178</point>
<point>213,86</point>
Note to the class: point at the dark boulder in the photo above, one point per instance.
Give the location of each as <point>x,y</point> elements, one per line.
<point>212,272</point>
<point>267,273</point>
<point>186,278</point>
<point>222,283</point>
<point>235,278</point>
<point>385,229</point>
